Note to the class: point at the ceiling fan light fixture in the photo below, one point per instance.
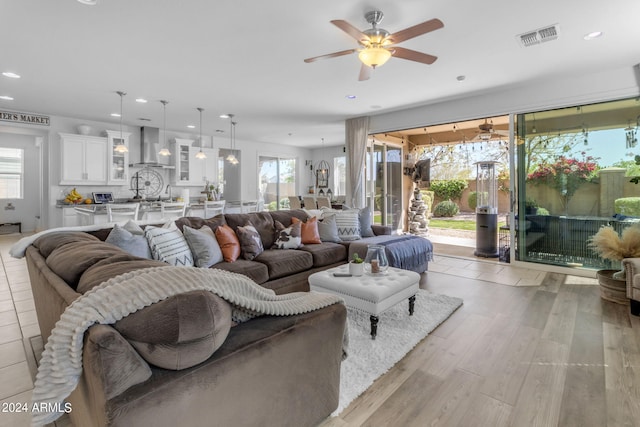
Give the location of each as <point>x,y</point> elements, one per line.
<point>374,56</point>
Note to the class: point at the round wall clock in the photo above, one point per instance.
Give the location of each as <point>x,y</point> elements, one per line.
<point>146,183</point>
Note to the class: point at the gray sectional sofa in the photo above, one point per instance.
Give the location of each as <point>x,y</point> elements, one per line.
<point>270,370</point>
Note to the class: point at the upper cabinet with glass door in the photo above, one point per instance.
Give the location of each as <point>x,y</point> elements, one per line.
<point>118,159</point>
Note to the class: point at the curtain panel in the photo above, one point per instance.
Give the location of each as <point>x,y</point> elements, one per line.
<point>356,133</point>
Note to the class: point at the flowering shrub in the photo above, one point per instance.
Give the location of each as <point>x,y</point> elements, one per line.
<point>566,174</point>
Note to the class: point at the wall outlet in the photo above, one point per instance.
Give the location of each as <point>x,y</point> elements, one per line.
<point>9,207</point>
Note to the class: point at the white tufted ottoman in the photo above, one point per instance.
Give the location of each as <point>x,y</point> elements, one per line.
<point>372,294</point>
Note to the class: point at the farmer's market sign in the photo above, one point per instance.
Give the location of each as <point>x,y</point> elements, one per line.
<point>31,119</point>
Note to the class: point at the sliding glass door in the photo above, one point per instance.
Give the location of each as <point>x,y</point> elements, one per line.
<point>384,183</point>
<point>276,181</point>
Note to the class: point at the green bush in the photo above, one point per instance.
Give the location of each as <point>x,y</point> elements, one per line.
<point>472,200</point>
<point>446,209</point>
<point>427,198</point>
<point>542,211</point>
<point>272,206</point>
<point>449,190</point>
<point>628,206</point>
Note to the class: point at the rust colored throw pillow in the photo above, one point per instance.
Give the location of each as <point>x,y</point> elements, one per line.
<point>310,234</point>
<point>229,243</point>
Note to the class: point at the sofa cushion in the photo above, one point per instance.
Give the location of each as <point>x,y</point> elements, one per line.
<point>284,216</point>
<point>309,230</point>
<point>326,253</point>
<point>204,246</point>
<point>48,242</point>
<point>254,270</point>
<point>229,243</point>
<point>365,217</point>
<point>284,262</point>
<point>135,244</point>
<point>113,266</point>
<point>262,221</point>
<point>289,237</point>
<point>71,260</point>
<point>250,241</point>
<point>328,229</point>
<point>178,332</point>
<point>169,245</point>
<point>197,223</point>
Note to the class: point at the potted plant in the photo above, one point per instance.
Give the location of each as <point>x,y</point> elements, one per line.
<point>356,265</point>
<point>530,207</point>
<point>608,244</point>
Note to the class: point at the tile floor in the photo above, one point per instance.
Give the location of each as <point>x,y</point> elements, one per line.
<point>18,321</point>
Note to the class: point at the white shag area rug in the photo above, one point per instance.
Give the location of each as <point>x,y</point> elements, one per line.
<point>398,333</point>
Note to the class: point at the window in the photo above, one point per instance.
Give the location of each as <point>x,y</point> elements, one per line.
<point>11,171</point>
<point>340,176</point>
<point>277,181</point>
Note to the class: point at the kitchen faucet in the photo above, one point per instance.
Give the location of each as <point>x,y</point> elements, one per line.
<point>169,192</point>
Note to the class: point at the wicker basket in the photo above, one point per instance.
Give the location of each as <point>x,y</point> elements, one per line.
<point>614,290</point>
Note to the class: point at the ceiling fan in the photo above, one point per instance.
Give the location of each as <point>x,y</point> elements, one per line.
<point>486,132</point>
<point>378,45</point>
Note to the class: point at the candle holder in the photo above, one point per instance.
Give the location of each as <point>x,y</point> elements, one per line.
<point>376,261</point>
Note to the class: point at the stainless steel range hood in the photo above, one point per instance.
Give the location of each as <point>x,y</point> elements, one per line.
<point>149,147</point>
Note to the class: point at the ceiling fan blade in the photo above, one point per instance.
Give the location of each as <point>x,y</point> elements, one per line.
<point>412,55</point>
<point>365,73</point>
<point>350,29</point>
<point>416,30</point>
<point>330,55</point>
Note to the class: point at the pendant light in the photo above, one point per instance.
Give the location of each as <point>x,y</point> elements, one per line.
<point>200,154</point>
<point>121,147</point>
<point>164,151</point>
<point>322,171</point>
<point>231,158</point>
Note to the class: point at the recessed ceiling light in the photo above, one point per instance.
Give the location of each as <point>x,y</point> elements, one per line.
<point>141,100</point>
<point>191,126</point>
<point>224,116</point>
<point>6,98</point>
<point>88,2</point>
<point>593,35</point>
<point>350,97</point>
<point>115,114</point>
<point>461,78</point>
<point>11,75</point>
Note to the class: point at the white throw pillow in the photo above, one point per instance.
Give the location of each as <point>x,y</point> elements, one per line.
<point>348,222</point>
<point>169,245</point>
<point>204,246</point>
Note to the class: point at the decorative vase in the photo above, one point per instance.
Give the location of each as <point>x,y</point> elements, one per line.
<point>356,268</point>
<point>376,261</point>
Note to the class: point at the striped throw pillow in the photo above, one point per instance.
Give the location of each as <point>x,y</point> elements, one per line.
<point>348,223</point>
<point>168,245</point>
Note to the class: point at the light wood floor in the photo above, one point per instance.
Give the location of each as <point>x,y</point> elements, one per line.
<point>548,355</point>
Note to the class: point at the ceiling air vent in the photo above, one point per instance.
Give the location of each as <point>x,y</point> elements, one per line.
<point>541,35</point>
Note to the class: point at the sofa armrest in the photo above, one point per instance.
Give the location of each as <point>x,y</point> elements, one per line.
<point>631,268</point>
<point>381,230</point>
<point>111,364</point>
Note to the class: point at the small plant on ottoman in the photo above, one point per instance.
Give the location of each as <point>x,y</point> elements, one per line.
<point>356,265</point>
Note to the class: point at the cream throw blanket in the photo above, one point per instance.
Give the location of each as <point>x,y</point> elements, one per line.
<point>61,364</point>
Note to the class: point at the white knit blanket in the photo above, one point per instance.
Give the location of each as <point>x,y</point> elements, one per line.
<point>61,364</point>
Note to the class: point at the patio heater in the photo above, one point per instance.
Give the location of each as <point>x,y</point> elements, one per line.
<point>486,210</point>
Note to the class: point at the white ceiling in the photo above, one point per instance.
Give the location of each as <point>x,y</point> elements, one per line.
<point>246,57</point>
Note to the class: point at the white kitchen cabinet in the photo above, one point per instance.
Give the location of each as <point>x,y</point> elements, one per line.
<point>84,160</point>
<point>191,171</point>
<point>69,217</point>
<point>118,163</point>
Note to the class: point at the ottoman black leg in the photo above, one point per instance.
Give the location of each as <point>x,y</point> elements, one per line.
<point>374,327</point>
<point>412,303</point>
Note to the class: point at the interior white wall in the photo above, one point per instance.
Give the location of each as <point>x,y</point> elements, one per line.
<point>537,95</point>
